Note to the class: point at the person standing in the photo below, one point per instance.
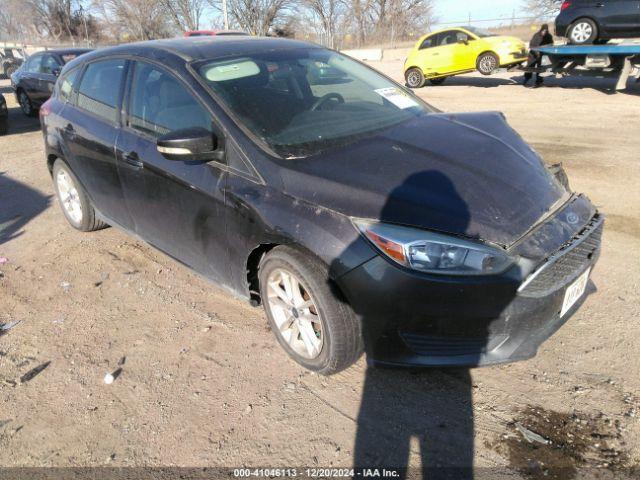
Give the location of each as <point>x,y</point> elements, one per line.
<point>540,39</point>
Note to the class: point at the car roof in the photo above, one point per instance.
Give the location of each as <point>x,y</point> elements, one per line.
<point>201,48</point>
<point>65,51</point>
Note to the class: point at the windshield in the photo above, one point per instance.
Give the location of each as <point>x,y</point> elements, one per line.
<point>480,32</point>
<point>302,101</point>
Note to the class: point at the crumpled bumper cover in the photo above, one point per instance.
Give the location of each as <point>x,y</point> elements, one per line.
<point>411,319</point>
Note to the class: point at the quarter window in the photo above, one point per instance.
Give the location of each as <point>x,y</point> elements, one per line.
<point>99,90</point>
<point>161,104</point>
<point>65,85</point>
<point>429,42</point>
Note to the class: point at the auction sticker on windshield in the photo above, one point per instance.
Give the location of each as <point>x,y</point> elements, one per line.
<point>575,292</point>
<point>397,97</point>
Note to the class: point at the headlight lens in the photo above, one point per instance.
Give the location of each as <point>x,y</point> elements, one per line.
<point>433,252</point>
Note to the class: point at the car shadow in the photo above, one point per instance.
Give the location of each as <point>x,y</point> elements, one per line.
<point>20,123</point>
<point>6,90</point>
<point>606,85</point>
<point>480,82</point>
<point>19,204</point>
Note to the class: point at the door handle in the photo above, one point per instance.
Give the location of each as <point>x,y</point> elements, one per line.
<point>599,5</point>
<point>70,131</point>
<point>133,160</point>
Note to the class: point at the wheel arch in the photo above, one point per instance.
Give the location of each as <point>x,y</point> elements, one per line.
<point>254,261</point>
<point>488,50</point>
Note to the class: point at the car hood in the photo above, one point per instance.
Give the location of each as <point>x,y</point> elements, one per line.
<point>466,174</point>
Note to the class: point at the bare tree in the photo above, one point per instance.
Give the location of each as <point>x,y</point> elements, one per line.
<point>389,20</point>
<point>256,17</point>
<point>185,14</point>
<point>325,15</point>
<point>51,20</point>
<point>542,8</point>
<point>134,19</point>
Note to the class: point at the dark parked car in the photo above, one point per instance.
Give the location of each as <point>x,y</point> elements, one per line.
<point>296,177</point>
<point>595,21</point>
<point>34,81</point>
<point>4,116</point>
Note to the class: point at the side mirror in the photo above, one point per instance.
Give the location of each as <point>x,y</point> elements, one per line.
<point>191,144</point>
<point>463,42</point>
<point>56,71</point>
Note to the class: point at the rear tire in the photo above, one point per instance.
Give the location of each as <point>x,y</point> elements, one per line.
<point>310,319</point>
<point>487,63</point>
<point>583,32</point>
<point>437,81</point>
<point>73,200</point>
<point>26,105</point>
<point>414,78</point>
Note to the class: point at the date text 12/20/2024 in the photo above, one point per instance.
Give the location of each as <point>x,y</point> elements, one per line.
<point>316,473</point>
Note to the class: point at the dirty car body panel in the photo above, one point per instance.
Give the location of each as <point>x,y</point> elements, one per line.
<point>466,176</point>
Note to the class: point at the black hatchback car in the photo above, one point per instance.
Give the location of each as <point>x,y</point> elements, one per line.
<point>594,21</point>
<point>300,179</point>
<point>33,82</point>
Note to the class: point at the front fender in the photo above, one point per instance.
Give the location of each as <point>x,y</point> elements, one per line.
<point>260,215</point>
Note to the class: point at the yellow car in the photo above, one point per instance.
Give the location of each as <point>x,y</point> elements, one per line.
<point>442,54</point>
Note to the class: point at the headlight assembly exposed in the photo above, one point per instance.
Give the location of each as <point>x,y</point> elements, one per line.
<point>433,252</point>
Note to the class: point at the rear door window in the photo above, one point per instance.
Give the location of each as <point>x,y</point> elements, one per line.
<point>99,91</point>
<point>33,64</point>
<point>49,65</point>
<point>160,103</point>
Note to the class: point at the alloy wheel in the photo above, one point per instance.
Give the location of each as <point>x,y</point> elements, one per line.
<point>69,197</point>
<point>488,64</point>
<point>295,314</point>
<point>581,32</point>
<point>414,79</point>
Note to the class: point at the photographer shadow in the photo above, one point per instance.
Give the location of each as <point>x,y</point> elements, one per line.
<point>422,413</point>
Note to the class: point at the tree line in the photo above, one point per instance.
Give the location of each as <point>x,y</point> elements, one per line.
<point>335,23</point>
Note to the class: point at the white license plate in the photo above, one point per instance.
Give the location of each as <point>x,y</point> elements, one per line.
<point>575,292</point>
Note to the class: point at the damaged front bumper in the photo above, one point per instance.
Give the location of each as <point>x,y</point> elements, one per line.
<point>415,320</point>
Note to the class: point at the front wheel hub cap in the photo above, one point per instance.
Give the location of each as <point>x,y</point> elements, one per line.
<point>295,314</point>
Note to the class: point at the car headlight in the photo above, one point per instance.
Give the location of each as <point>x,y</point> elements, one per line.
<point>433,252</point>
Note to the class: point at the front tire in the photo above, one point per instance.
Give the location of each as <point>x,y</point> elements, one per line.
<point>310,320</point>
<point>583,32</point>
<point>73,200</point>
<point>414,78</point>
<point>487,63</point>
<point>25,104</point>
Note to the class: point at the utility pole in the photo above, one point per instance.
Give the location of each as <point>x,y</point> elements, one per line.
<point>225,15</point>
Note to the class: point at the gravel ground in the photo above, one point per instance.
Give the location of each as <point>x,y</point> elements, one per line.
<point>204,383</point>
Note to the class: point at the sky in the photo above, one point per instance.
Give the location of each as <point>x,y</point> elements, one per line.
<point>457,11</point>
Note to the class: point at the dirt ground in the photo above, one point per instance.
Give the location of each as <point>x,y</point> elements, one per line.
<point>204,383</point>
